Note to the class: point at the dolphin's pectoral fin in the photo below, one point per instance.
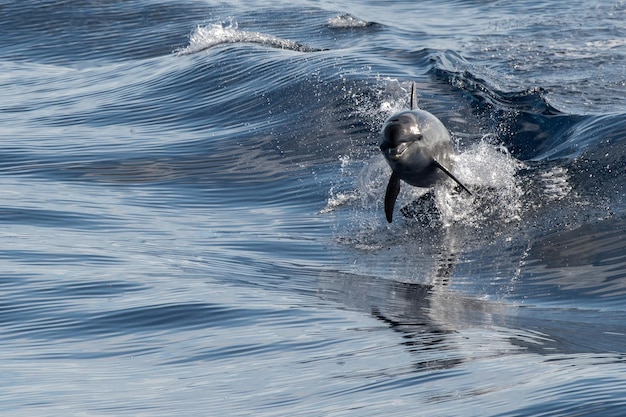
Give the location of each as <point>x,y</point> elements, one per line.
<point>393,188</point>
<point>449,174</point>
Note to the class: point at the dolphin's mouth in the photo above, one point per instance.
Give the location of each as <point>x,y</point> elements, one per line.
<point>396,153</point>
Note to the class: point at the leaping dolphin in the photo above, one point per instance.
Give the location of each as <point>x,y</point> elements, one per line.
<point>418,148</point>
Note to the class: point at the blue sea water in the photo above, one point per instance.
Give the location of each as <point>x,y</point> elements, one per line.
<point>192,216</point>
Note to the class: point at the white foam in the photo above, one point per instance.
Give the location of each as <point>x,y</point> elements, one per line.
<point>204,37</point>
<point>556,183</point>
<point>490,170</point>
<point>337,199</point>
<point>346,21</point>
<point>487,164</point>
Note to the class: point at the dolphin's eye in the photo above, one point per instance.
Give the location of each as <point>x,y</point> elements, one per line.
<point>419,137</point>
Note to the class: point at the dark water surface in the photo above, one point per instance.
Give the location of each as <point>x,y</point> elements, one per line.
<point>192,215</point>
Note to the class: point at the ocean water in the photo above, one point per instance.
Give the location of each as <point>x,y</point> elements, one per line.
<point>192,213</point>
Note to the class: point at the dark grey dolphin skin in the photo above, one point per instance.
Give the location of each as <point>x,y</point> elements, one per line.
<point>418,148</point>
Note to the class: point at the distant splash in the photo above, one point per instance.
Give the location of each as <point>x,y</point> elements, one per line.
<point>205,37</point>
<point>347,21</point>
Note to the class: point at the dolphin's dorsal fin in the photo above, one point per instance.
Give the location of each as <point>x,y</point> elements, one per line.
<point>413,97</point>
<point>449,174</point>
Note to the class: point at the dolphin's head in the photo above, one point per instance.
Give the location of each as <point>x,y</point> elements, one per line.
<point>418,148</point>
<point>407,140</point>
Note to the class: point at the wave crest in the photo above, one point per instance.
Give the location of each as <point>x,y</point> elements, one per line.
<point>205,37</point>
<point>347,21</point>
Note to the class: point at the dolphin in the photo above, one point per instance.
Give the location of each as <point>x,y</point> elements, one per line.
<point>418,148</point>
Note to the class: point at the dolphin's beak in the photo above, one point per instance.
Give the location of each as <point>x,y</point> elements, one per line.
<point>395,152</point>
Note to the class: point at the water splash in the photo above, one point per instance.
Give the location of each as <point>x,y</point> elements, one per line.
<point>384,97</point>
<point>506,190</point>
<point>490,170</point>
<point>205,37</point>
<point>486,168</point>
<point>347,21</point>
<point>556,183</point>
<point>337,195</point>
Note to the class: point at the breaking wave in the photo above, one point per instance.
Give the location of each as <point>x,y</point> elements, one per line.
<point>209,36</point>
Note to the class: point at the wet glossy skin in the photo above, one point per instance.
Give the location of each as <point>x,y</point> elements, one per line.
<point>418,148</point>
<point>412,141</point>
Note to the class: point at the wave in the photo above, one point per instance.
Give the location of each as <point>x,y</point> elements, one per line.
<point>488,92</point>
<point>347,21</point>
<point>523,117</point>
<point>589,148</point>
<point>205,37</point>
